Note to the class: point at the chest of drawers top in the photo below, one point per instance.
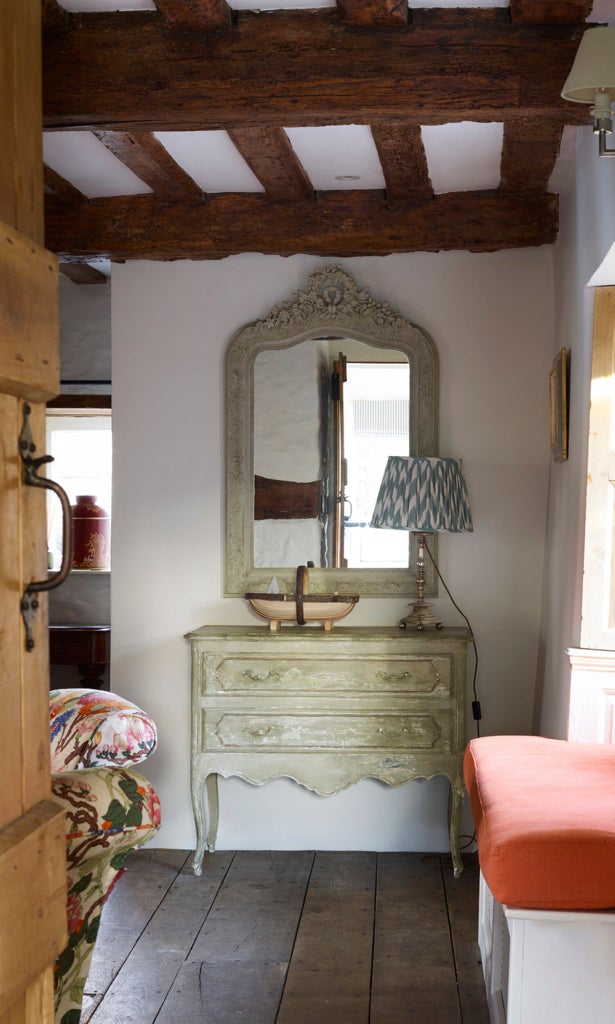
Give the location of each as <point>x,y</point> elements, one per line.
<point>338,639</point>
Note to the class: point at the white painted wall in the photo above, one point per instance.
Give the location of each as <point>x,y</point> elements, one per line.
<point>587,231</point>
<point>85,331</point>
<point>491,318</point>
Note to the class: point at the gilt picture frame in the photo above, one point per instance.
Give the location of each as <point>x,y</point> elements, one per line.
<point>558,405</point>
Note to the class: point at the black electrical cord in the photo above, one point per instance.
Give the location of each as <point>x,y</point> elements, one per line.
<point>476,709</point>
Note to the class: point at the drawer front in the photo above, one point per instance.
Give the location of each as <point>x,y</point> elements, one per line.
<point>418,675</point>
<point>420,731</point>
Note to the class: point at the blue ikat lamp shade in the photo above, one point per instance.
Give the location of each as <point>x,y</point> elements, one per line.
<point>424,495</point>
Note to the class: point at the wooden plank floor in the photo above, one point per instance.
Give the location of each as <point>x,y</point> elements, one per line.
<point>289,938</point>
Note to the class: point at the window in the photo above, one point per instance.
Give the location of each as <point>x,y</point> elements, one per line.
<point>598,613</point>
<point>592,686</point>
<point>80,442</point>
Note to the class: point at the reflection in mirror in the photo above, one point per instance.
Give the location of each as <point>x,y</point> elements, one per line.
<point>327,414</point>
<point>376,425</point>
<point>318,395</point>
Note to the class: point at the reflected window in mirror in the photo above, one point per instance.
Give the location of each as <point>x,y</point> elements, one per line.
<point>376,425</point>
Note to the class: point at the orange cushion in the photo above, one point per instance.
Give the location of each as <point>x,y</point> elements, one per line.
<point>544,812</point>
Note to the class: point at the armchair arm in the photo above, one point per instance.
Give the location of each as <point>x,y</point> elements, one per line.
<point>90,728</point>
<point>110,812</point>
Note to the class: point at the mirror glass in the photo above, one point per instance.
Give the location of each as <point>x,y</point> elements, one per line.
<point>327,414</point>
<point>318,395</point>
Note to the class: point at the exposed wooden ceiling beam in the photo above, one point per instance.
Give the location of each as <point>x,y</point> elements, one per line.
<point>269,154</point>
<point>53,16</point>
<point>62,189</point>
<point>549,11</point>
<point>195,14</point>
<point>345,223</point>
<point>527,161</point>
<point>403,160</point>
<point>304,68</point>
<point>152,163</point>
<point>373,12</point>
<point>83,273</point>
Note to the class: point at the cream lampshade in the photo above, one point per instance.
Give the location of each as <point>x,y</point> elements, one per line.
<point>592,80</point>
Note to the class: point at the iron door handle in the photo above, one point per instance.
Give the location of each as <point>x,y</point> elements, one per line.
<point>29,601</point>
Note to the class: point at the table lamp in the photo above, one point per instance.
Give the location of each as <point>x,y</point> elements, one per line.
<point>424,495</point>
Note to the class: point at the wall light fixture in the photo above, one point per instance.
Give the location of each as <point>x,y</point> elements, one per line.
<point>592,80</point>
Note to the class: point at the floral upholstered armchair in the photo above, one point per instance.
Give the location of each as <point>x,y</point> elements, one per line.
<point>96,738</point>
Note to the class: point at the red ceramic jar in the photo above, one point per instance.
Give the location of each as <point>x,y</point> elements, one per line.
<point>91,549</point>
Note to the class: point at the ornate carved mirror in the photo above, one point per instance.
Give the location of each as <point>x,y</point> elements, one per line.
<point>318,394</point>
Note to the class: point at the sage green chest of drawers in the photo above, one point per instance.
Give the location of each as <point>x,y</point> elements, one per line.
<point>325,709</point>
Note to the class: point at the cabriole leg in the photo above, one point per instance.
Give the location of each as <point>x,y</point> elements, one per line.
<point>211,785</point>
<point>455,811</point>
<point>196,791</point>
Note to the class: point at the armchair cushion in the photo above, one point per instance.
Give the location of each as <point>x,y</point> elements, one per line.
<point>91,728</point>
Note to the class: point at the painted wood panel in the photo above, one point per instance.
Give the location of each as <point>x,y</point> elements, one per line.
<point>406,674</point>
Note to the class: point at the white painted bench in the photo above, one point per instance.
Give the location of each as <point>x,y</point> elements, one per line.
<point>547,966</point>
<point>543,841</point>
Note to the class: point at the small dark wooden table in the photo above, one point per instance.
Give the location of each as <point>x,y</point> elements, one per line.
<point>87,647</point>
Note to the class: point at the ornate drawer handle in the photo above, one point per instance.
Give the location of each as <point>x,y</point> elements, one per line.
<point>260,731</point>
<point>261,677</point>
<point>401,677</point>
<point>394,677</point>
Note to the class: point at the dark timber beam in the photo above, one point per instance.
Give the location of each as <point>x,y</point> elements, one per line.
<point>373,12</point>
<point>53,16</point>
<point>344,223</point>
<point>403,160</point>
<point>195,14</point>
<point>527,161</point>
<point>83,273</point>
<point>305,68</point>
<point>285,499</point>
<point>549,11</point>
<point>270,156</point>
<point>59,187</point>
<point>146,157</point>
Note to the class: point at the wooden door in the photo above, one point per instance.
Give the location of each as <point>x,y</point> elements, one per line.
<point>32,846</point>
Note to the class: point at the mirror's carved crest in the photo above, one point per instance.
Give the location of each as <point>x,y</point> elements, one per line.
<point>330,305</point>
<point>332,295</point>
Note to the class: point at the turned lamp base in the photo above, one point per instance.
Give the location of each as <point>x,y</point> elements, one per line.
<point>421,616</point>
